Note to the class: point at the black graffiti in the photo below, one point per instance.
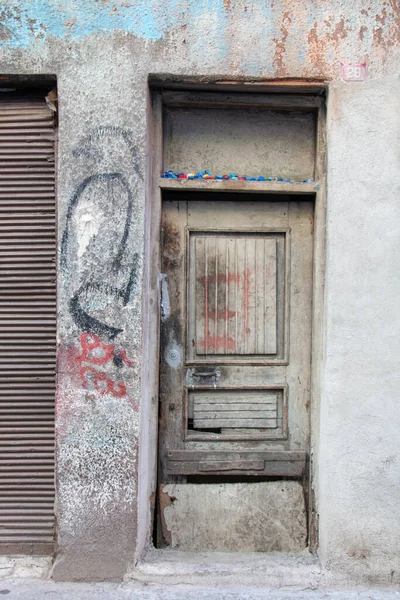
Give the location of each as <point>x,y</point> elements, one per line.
<point>93,146</point>
<point>90,324</point>
<point>72,206</point>
<point>97,287</point>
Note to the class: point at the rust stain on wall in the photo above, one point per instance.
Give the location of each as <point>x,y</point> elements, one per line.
<point>395,6</point>
<point>316,53</point>
<point>280,47</point>
<point>362,32</point>
<point>386,32</point>
<point>334,36</point>
<point>382,17</point>
<point>378,38</point>
<point>340,31</point>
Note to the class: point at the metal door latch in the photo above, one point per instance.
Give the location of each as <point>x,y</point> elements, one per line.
<point>194,377</point>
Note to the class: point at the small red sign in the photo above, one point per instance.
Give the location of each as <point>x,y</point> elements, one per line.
<point>353,71</point>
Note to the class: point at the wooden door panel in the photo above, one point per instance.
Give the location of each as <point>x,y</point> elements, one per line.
<point>232,298</point>
<point>235,355</point>
<point>237,414</point>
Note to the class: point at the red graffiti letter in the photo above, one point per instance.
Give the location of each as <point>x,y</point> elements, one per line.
<point>91,342</point>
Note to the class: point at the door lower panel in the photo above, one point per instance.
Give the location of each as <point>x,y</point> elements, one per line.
<point>243,517</point>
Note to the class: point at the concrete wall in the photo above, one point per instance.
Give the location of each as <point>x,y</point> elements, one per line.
<point>102,53</point>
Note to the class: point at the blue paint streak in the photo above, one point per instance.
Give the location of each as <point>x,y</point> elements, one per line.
<point>32,20</point>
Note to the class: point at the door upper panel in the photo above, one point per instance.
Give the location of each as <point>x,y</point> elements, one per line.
<point>237,295</point>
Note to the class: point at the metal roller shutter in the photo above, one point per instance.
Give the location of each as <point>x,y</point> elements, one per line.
<point>27,325</point>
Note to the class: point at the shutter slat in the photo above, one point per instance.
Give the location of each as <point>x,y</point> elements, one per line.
<point>27,325</point>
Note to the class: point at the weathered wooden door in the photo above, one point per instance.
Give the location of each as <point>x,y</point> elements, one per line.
<point>235,342</point>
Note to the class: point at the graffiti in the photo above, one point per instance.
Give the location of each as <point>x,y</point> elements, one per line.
<point>107,177</point>
<point>98,257</point>
<point>98,355</point>
<point>89,323</point>
<point>99,231</point>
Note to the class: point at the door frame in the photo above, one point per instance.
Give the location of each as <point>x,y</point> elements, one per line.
<point>158,95</point>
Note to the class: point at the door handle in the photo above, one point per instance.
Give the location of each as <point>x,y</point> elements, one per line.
<point>194,376</point>
<point>215,374</point>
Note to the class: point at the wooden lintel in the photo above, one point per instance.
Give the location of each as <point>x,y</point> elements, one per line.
<point>241,100</point>
<point>234,185</point>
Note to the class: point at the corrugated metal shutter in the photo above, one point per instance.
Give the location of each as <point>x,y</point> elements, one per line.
<point>27,326</point>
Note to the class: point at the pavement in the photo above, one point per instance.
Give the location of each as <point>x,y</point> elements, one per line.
<point>31,589</point>
<point>174,575</point>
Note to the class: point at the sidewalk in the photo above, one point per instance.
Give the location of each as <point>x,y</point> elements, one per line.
<point>30,589</point>
<point>173,575</point>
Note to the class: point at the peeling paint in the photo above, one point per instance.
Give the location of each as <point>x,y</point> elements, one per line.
<point>88,224</point>
<point>226,29</point>
<point>165,301</point>
<point>279,59</point>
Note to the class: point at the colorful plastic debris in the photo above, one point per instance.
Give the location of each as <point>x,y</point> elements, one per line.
<point>206,174</point>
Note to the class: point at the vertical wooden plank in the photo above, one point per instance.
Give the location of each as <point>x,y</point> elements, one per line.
<point>197,305</point>
<point>210,278</point>
<point>172,404</point>
<point>270,290</point>
<point>250,285</point>
<point>213,315</point>
<point>260,296</point>
<point>221,285</point>
<point>241,306</point>
<point>227,316</point>
<point>232,289</point>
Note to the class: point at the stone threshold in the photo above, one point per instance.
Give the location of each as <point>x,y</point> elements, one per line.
<point>230,569</point>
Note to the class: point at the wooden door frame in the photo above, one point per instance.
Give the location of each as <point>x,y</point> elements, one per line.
<point>148,451</point>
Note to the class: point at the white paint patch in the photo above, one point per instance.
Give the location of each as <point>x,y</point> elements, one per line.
<point>165,302</point>
<point>88,221</point>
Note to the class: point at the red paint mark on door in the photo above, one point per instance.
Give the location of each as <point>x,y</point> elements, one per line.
<point>217,342</point>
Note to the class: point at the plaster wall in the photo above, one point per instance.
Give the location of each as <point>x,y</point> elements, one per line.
<point>102,54</point>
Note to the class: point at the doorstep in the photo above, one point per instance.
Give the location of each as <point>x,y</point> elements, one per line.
<point>229,569</point>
